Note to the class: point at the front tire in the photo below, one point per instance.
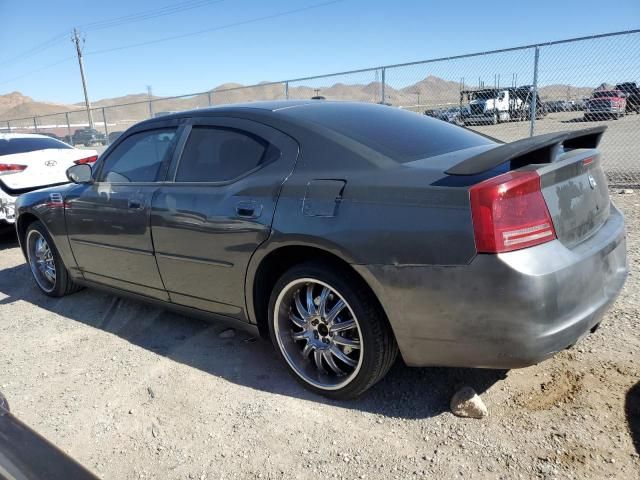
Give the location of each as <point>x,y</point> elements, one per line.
<point>329,330</point>
<point>48,270</point>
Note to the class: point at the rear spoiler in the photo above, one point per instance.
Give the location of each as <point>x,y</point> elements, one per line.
<point>538,149</point>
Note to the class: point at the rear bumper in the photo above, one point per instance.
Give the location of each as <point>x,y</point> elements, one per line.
<point>503,311</point>
<point>479,118</point>
<point>604,110</point>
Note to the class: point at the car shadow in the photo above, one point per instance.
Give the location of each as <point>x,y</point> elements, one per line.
<point>8,238</point>
<point>585,120</point>
<point>577,120</point>
<point>405,392</point>
<point>632,412</point>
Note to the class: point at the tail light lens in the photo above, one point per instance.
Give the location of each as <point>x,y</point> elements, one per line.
<point>509,213</point>
<point>91,159</point>
<point>9,168</point>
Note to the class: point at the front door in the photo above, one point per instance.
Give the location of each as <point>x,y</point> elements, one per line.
<point>108,222</point>
<point>207,223</point>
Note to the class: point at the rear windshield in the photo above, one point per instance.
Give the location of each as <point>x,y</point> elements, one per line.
<point>401,135</point>
<point>11,146</point>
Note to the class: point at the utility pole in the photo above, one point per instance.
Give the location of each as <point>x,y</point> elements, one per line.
<point>77,41</point>
<point>150,97</point>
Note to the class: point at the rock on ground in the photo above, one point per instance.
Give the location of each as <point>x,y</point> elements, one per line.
<point>467,403</point>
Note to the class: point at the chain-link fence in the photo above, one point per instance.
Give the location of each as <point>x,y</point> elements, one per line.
<point>508,94</point>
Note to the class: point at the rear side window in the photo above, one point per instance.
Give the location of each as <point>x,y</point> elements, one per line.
<point>11,146</point>
<point>215,154</point>
<point>139,157</point>
<point>398,134</point>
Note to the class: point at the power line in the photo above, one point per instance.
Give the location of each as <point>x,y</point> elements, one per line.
<point>112,22</point>
<point>128,19</point>
<point>37,70</point>
<point>37,49</point>
<point>148,14</point>
<point>220,27</point>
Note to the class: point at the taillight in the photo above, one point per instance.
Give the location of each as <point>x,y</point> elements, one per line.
<point>91,159</point>
<point>9,168</point>
<point>509,213</point>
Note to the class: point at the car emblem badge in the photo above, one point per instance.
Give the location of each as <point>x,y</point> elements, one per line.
<point>50,163</point>
<point>592,182</point>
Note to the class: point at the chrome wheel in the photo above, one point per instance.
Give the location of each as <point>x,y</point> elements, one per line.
<point>41,261</point>
<point>318,334</point>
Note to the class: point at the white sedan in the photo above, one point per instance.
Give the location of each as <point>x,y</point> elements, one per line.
<point>29,162</point>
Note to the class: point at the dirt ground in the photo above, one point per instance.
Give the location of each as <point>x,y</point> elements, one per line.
<point>135,392</point>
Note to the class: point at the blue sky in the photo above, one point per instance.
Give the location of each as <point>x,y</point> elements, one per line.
<point>343,35</point>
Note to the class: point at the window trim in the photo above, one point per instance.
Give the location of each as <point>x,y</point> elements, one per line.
<point>161,176</point>
<point>173,169</point>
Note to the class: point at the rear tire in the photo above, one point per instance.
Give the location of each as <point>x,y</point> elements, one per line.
<point>329,330</point>
<point>47,268</point>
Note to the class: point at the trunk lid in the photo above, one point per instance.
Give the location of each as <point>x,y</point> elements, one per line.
<point>575,189</point>
<point>572,181</point>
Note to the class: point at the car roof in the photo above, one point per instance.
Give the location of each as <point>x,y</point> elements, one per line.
<point>266,106</point>
<point>274,106</point>
<point>9,136</point>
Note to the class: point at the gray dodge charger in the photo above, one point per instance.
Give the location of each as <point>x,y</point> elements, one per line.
<point>345,233</point>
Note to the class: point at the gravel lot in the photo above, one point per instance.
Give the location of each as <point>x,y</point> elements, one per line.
<point>135,392</point>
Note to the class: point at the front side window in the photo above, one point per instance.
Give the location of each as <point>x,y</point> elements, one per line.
<point>214,154</point>
<point>139,157</point>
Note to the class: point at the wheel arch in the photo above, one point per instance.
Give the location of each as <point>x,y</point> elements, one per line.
<point>22,223</point>
<point>274,263</point>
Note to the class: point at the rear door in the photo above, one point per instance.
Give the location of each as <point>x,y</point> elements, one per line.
<point>218,209</point>
<point>108,222</point>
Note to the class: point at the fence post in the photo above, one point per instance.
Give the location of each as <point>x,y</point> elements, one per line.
<point>35,125</point>
<point>209,97</point>
<point>68,128</point>
<point>382,85</point>
<point>534,99</point>
<point>9,126</point>
<point>286,90</point>
<point>106,129</point>
<point>150,108</point>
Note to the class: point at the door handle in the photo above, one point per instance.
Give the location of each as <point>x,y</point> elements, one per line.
<point>248,209</point>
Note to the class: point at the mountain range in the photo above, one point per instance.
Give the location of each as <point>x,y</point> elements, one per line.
<point>430,92</point>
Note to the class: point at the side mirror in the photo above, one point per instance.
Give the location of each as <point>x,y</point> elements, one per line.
<point>80,173</point>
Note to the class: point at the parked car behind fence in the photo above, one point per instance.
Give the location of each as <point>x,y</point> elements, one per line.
<point>88,136</point>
